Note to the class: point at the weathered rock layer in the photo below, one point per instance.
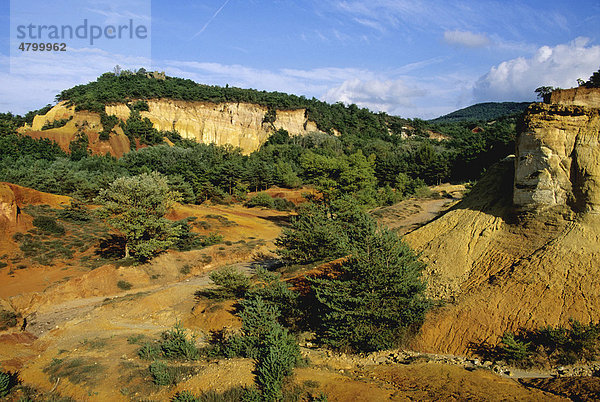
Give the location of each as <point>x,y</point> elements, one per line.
<point>558,158</point>
<point>241,125</point>
<point>522,250</point>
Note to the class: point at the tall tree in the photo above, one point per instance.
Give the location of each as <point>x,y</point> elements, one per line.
<point>136,206</point>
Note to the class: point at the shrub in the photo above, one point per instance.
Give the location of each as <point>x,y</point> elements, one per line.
<point>313,236</point>
<point>278,354</point>
<point>557,345</point>
<point>513,349</point>
<point>185,396</point>
<point>149,351</point>
<point>260,200</point>
<point>161,373</point>
<point>176,344</point>
<point>75,212</point>
<point>281,204</point>
<point>8,319</point>
<point>124,285</point>
<point>235,394</point>
<point>231,282</point>
<point>48,224</point>
<point>5,383</point>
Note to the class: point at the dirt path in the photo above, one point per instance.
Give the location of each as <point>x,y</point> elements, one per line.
<point>51,317</point>
<point>411,214</point>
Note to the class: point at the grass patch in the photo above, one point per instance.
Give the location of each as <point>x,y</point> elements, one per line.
<point>59,234</point>
<point>164,374</point>
<point>174,344</point>
<point>96,344</point>
<point>78,370</point>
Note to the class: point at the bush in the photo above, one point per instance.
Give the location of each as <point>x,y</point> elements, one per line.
<point>176,344</point>
<point>313,236</point>
<point>281,204</point>
<point>5,383</point>
<point>557,345</point>
<point>278,354</point>
<point>8,319</point>
<point>185,396</point>
<point>260,200</point>
<point>48,224</point>
<point>124,285</point>
<point>161,373</point>
<point>514,350</point>
<point>231,282</point>
<point>149,351</point>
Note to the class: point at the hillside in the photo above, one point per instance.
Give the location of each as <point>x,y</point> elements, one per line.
<point>519,253</point>
<point>483,112</point>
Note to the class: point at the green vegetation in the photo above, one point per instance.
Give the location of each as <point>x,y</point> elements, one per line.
<point>56,123</point>
<point>174,344</point>
<point>8,319</point>
<point>375,296</point>
<point>48,224</point>
<point>231,395</point>
<point>8,381</point>
<point>124,285</point>
<point>266,201</point>
<point>230,283</point>
<point>136,206</point>
<point>385,161</point>
<point>60,233</point>
<point>77,370</point>
<point>548,345</point>
<point>483,111</point>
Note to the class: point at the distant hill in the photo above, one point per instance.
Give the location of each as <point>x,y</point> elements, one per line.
<point>483,111</point>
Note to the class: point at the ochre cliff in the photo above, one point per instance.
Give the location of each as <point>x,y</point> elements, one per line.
<point>238,124</point>
<point>81,121</point>
<point>522,249</point>
<point>558,158</point>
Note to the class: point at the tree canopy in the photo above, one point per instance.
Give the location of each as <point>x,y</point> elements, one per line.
<point>136,206</point>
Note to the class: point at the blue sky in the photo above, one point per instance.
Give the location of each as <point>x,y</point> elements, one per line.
<point>408,58</point>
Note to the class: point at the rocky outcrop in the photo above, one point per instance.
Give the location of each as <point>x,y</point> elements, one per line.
<point>581,96</point>
<point>521,251</point>
<point>239,124</point>
<point>558,158</point>
<point>80,122</point>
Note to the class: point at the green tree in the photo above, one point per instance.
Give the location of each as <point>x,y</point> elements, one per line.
<point>375,298</point>
<point>594,81</point>
<point>544,92</point>
<point>136,206</point>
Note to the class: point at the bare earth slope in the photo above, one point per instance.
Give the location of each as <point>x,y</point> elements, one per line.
<point>502,266</point>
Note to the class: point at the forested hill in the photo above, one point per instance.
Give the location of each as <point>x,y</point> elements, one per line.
<point>112,88</point>
<point>483,111</point>
<point>373,157</point>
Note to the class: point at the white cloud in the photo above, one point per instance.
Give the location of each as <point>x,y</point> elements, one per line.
<point>379,95</point>
<point>558,66</point>
<point>36,78</point>
<point>34,81</point>
<point>466,38</point>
